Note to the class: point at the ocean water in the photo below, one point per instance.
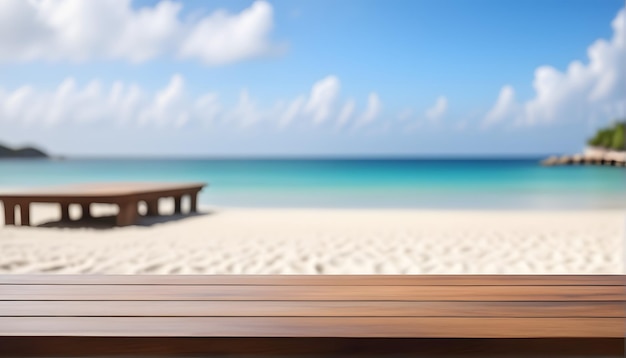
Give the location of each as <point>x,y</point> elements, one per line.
<point>350,183</point>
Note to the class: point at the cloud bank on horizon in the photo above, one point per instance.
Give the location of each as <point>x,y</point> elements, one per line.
<point>83,32</point>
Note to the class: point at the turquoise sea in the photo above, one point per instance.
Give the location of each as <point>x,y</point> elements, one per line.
<point>350,183</point>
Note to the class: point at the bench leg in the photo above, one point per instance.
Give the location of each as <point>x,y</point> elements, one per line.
<point>25,214</point>
<point>9,213</point>
<point>65,212</point>
<point>153,207</point>
<point>86,211</point>
<point>127,214</point>
<point>194,202</point>
<point>177,206</point>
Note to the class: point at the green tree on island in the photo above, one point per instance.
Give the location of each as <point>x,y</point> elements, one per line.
<point>610,138</point>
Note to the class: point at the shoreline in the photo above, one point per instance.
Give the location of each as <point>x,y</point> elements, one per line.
<point>325,241</point>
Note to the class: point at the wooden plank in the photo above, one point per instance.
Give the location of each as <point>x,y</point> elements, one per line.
<point>318,280</point>
<point>311,308</point>
<point>102,190</point>
<point>312,293</point>
<point>363,327</point>
<point>320,347</point>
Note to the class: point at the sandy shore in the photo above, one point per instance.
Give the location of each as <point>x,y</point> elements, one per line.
<point>315,241</point>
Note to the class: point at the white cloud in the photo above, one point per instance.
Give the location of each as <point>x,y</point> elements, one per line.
<point>15,103</point>
<point>169,104</point>
<point>438,110</point>
<point>78,30</point>
<point>323,104</point>
<point>346,113</point>
<point>30,106</point>
<point>504,108</point>
<point>596,89</point>
<point>207,107</point>
<point>374,106</point>
<point>246,112</point>
<point>223,38</point>
<point>292,111</point>
<point>174,105</point>
<point>322,99</point>
<point>122,103</point>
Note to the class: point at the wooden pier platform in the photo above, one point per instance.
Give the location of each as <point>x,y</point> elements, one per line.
<point>125,195</point>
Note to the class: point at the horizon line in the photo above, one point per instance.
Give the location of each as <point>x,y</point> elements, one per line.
<point>306,157</point>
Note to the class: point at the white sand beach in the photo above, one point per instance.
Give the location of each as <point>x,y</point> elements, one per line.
<point>323,241</point>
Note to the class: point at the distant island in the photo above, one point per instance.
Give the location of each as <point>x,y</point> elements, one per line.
<point>607,147</point>
<point>26,152</point>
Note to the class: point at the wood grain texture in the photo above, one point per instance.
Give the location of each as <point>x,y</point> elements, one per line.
<point>363,327</point>
<point>313,293</point>
<point>311,309</point>
<point>345,315</point>
<point>308,347</point>
<point>320,280</point>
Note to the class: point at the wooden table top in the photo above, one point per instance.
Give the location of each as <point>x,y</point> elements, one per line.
<point>446,306</point>
<point>94,190</point>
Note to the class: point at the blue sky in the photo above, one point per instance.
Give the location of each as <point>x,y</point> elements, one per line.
<point>289,77</point>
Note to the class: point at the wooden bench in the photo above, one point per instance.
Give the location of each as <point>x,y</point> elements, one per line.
<point>93,315</point>
<point>125,195</point>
